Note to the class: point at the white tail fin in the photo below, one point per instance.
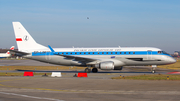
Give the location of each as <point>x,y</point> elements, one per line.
<point>24,40</point>
<point>12,48</point>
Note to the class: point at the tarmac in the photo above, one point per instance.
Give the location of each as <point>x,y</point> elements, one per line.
<point>97,86</point>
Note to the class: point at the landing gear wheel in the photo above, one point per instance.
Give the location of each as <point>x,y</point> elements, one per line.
<point>94,70</point>
<point>153,71</point>
<point>87,70</point>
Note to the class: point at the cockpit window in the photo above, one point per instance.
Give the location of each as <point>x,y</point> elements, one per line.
<point>159,52</point>
<point>162,52</point>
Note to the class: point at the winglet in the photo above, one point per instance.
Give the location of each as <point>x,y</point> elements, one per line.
<point>51,49</point>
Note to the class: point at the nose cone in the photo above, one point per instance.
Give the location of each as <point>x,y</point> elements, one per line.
<point>172,60</point>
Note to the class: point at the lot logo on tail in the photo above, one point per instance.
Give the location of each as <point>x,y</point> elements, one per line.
<point>26,38</point>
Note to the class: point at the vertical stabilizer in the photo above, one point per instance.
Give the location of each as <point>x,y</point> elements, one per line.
<point>24,40</point>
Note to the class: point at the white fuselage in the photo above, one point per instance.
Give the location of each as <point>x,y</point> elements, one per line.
<point>127,56</point>
<point>4,55</point>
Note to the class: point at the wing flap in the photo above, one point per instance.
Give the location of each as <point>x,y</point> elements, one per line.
<point>76,58</point>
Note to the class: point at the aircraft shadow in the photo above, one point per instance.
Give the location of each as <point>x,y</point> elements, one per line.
<point>80,71</point>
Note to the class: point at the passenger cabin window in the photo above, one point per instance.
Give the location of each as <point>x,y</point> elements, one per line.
<point>133,52</point>
<point>120,52</point>
<point>107,52</point>
<point>102,52</point>
<point>124,52</point>
<point>89,53</point>
<point>129,52</point>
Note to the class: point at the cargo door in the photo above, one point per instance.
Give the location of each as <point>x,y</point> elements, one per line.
<point>149,54</point>
<point>48,55</point>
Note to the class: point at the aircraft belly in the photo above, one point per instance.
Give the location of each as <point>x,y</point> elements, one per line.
<point>145,61</point>
<point>3,57</point>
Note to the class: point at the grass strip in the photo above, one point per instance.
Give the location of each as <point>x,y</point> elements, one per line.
<point>175,66</point>
<point>150,77</point>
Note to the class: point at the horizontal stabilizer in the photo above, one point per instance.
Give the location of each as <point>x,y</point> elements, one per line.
<point>18,52</point>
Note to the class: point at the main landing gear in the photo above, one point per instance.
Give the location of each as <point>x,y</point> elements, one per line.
<point>88,70</point>
<point>153,67</point>
<point>94,70</point>
<point>153,71</point>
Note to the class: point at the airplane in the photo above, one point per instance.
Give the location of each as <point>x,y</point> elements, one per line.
<point>7,54</point>
<point>111,58</point>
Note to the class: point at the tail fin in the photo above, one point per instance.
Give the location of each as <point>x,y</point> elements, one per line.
<point>24,40</point>
<point>12,48</point>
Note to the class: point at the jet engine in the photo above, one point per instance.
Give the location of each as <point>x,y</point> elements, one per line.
<point>108,65</point>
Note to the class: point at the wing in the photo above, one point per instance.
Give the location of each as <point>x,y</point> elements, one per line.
<point>88,61</point>
<point>76,58</point>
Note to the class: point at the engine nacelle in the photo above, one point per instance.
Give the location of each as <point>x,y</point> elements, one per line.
<point>108,65</point>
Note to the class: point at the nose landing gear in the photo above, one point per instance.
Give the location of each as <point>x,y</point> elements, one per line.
<point>153,71</point>
<point>153,68</point>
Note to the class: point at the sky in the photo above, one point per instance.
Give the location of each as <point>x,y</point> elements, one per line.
<point>111,23</point>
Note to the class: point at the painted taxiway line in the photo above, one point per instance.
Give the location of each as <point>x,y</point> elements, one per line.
<point>33,97</point>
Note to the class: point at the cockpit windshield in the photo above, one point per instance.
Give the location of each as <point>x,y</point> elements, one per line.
<point>163,52</point>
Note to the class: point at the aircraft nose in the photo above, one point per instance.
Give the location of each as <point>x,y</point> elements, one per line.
<point>172,60</point>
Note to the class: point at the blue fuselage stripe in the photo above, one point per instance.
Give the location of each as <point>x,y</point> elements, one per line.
<point>3,57</point>
<point>100,53</point>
